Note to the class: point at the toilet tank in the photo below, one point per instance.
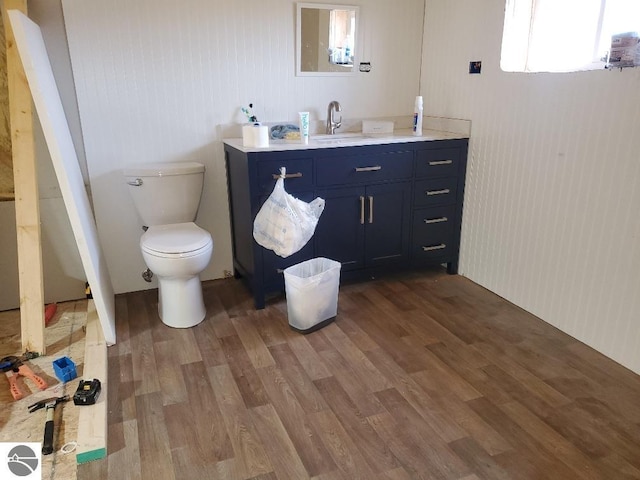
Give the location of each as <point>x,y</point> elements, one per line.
<point>165,193</point>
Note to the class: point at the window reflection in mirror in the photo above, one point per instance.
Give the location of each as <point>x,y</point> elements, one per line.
<point>326,39</point>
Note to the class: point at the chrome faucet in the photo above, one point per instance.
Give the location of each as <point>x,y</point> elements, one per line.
<point>334,106</point>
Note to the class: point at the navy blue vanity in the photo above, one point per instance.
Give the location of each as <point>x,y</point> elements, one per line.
<point>391,204</point>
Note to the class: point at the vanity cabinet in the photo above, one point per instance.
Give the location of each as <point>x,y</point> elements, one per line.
<point>366,221</point>
<point>388,206</point>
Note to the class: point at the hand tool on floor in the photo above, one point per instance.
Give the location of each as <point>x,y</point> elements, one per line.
<point>49,404</point>
<point>13,367</point>
<point>23,358</point>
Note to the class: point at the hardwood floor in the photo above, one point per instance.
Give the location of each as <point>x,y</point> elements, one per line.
<point>421,376</point>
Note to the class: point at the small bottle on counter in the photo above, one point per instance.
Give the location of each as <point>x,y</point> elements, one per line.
<point>417,117</point>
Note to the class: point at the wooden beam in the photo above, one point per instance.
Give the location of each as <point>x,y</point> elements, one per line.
<point>92,422</point>
<point>27,200</point>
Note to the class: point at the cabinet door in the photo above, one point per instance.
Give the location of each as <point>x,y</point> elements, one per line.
<point>340,231</point>
<point>387,223</point>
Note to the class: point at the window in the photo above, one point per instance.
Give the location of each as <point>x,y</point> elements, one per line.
<point>342,24</point>
<point>563,35</point>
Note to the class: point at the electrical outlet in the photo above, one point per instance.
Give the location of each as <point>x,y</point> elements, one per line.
<point>365,66</point>
<point>475,67</point>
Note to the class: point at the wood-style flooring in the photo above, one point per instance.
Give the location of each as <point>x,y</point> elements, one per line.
<point>421,376</point>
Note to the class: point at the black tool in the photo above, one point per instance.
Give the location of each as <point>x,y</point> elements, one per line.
<point>9,361</point>
<point>87,392</point>
<point>49,404</point>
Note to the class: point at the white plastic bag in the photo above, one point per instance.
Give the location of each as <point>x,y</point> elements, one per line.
<point>284,223</point>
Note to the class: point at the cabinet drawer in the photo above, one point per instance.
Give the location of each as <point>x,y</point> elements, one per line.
<point>433,233</point>
<point>439,191</point>
<point>432,226</point>
<point>299,175</point>
<point>430,251</point>
<point>356,169</point>
<point>441,162</point>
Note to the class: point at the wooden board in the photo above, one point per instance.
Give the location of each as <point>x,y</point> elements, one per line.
<point>92,424</point>
<point>65,161</point>
<point>26,194</point>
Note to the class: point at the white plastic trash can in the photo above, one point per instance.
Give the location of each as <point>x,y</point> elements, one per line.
<point>312,293</point>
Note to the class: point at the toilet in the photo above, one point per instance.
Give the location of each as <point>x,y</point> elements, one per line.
<point>174,248</point>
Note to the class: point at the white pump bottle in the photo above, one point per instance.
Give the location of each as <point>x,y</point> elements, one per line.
<point>417,117</point>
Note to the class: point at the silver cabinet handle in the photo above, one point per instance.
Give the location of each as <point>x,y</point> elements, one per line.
<point>288,175</point>
<point>437,192</point>
<point>434,247</point>
<point>436,220</point>
<point>441,162</point>
<point>370,209</point>
<point>369,169</point>
<point>361,210</point>
<point>135,183</point>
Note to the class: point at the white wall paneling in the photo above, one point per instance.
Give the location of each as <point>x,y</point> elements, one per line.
<point>553,190</point>
<point>154,79</point>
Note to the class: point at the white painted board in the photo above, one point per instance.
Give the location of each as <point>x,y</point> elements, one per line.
<point>47,101</point>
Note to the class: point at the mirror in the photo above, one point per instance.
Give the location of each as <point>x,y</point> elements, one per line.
<point>326,39</point>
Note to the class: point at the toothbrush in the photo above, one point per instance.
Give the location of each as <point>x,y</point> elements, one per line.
<point>249,113</point>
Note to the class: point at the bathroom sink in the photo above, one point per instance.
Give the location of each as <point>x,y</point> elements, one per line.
<point>338,139</point>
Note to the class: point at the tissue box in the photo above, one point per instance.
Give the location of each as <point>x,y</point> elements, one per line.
<point>377,126</point>
<point>64,369</point>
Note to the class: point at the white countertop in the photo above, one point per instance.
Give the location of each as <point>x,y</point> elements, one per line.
<point>350,139</point>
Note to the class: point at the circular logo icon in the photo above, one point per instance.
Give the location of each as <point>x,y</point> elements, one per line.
<point>22,461</point>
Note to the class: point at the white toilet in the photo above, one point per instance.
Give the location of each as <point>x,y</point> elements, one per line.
<point>176,250</point>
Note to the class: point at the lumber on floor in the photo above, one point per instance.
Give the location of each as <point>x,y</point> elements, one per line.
<point>92,423</point>
<point>64,337</point>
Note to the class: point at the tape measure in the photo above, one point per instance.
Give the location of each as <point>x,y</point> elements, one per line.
<point>87,392</point>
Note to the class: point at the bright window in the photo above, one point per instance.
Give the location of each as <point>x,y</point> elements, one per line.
<point>563,35</point>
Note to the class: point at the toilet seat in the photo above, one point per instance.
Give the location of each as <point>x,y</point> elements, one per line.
<point>177,240</point>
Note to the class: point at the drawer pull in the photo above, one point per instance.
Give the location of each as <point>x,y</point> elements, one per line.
<point>437,192</point>
<point>135,183</point>
<point>361,210</point>
<point>440,162</point>
<point>370,209</point>
<point>434,247</point>
<point>436,220</point>
<point>368,169</point>
<point>288,175</point>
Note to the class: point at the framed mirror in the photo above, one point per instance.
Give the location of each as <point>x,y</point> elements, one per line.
<point>326,39</point>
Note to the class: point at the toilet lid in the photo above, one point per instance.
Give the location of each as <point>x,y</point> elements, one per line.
<point>175,238</point>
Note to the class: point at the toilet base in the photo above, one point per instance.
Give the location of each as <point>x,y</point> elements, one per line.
<point>180,302</point>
